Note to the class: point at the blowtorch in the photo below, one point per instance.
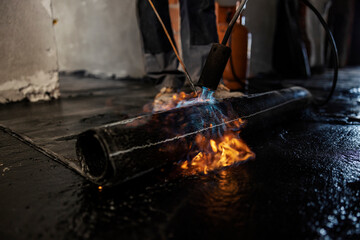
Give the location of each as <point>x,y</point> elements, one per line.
<point>218,57</point>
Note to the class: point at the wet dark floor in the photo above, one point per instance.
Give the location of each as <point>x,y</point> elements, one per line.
<point>303,184</point>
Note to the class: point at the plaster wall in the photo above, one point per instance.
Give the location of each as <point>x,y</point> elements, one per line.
<point>28,62</point>
<point>261,21</point>
<point>316,32</point>
<point>99,36</point>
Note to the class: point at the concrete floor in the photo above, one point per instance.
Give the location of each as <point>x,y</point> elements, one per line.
<point>304,182</point>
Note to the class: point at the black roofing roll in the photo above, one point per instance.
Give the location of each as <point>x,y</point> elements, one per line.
<point>117,152</point>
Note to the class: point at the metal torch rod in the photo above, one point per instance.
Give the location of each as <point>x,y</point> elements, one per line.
<point>239,10</point>
<point>173,47</point>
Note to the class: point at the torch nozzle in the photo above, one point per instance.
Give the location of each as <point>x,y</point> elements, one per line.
<point>214,66</point>
<point>218,57</point>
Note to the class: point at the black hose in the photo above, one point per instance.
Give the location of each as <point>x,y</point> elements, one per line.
<point>331,39</point>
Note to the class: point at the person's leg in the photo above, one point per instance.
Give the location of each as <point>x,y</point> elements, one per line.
<point>160,60</point>
<point>198,32</point>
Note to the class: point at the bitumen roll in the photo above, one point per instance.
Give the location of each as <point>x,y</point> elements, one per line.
<point>117,152</point>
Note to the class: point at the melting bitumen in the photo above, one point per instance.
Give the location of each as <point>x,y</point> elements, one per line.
<point>304,182</point>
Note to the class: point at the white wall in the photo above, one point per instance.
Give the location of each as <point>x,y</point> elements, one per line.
<point>100,36</point>
<point>261,21</point>
<point>28,61</point>
<point>316,32</point>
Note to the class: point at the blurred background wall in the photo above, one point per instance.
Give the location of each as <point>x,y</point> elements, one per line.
<point>261,20</point>
<point>28,55</point>
<point>99,36</point>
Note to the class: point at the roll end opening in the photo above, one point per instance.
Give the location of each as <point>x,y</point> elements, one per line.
<point>93,155</point>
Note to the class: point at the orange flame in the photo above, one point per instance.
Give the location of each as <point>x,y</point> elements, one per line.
<point>174,101</point>
<point>217,153</point>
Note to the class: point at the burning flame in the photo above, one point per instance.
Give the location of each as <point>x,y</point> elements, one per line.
<point>216,151</point>
<point>184,99</point>
<point>161,105</point>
